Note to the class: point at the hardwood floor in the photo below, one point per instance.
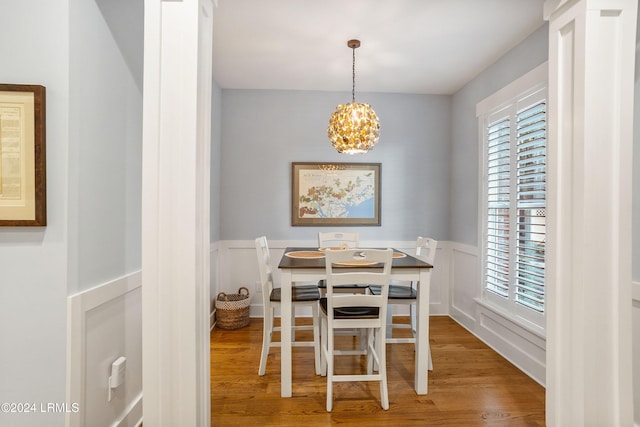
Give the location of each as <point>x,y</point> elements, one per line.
<point>471,385</point>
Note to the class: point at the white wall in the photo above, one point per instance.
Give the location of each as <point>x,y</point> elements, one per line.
<point>33,261</point>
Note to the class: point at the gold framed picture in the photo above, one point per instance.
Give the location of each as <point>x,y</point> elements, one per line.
<point>23,195</point>
<point>335,193</point>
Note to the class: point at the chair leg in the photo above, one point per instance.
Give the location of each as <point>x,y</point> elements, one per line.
<point>329,356</point>
<point>412,320</point>
<point>323,346</point>
<point>267,333</point>
<point>370,343</point>
<point>390,320</point>
<point>316,338</point>
<point>293,323</point>
<point>382,368</point>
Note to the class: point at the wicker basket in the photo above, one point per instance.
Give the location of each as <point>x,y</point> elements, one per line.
<point>232,310</point>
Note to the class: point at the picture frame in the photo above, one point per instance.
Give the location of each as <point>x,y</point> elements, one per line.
<point>23,195</point>
<point>335,194</point>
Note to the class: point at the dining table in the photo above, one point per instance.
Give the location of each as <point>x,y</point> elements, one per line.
<point>304,264</point>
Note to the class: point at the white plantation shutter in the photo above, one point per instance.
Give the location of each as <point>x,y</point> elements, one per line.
<point>531,205</point>
<point>498,207</point>
<point>514,201</point>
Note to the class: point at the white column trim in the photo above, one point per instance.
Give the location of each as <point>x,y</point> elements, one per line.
<point>175,210</point>
<point>591,85</point>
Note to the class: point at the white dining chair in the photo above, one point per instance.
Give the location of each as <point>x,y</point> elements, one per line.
<point>271,297</point>
<point>407,295</point>
<point>338,239</point>
<point>359,310</point>
<point>333,240</point>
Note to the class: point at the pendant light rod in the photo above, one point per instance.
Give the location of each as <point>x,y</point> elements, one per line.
<point>353,44</point>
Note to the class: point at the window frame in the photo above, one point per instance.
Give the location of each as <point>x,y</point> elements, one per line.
<point>506,103</point>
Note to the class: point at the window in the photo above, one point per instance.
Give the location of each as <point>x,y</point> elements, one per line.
<point>513,197</point>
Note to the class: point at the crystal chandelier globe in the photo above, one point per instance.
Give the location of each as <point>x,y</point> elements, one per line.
<point>353,128</point>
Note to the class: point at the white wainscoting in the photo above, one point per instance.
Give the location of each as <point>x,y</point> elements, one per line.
<point>635,316</point>
<point>516,343</point>
<point>215,281</point>
<point>464,284</point>
<point>104,323</point>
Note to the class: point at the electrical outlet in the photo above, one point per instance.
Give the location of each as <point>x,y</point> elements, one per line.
<point>258,287</point>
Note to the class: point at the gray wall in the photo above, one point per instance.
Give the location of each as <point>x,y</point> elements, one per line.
<point>105,141</point>
<point>33,261</point>
<point>216,114</point>
<point>463,209</point>
<point>264,131</point>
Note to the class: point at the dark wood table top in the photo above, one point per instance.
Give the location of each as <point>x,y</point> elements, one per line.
<point>408,261</point>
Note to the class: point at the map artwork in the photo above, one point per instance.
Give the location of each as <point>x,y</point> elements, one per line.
<point>339,194</point>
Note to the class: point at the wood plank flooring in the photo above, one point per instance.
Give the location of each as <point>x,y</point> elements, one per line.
<point>471,385</point>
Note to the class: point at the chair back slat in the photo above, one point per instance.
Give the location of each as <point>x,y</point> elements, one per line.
<point>338,239</point>
<point>341,271</point>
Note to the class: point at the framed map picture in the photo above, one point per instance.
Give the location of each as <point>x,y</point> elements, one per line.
<point>335,193</point>
<point>23,196</point>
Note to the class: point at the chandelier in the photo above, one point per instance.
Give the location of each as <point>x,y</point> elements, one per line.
<point>353,128</point>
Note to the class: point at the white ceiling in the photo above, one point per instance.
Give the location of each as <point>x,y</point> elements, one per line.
<point>408,46</point>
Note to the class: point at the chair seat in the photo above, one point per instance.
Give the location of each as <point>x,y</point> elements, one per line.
<point>298,293</point>
<point>323,285</point>
<point>350,312</point>
<point>396,291</point>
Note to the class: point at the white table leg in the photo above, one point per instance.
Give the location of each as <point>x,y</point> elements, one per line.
<point>422,332</point>
<point>285,334</point>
